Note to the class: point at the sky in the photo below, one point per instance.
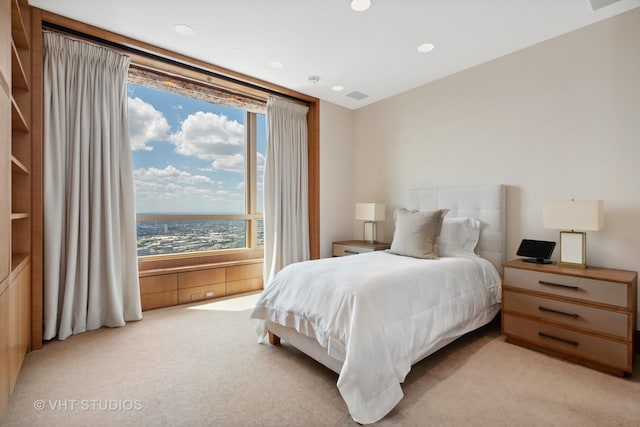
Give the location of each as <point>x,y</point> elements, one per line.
<point>189,155</point>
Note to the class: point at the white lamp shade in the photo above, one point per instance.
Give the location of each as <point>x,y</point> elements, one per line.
<point>573,215</point>
<point>369,211</point>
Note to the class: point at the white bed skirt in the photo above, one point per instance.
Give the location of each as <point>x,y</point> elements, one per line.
<point>311,348</point>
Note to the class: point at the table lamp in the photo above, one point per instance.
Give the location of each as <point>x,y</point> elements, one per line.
<point>370,213</point>
<point>574,215</point>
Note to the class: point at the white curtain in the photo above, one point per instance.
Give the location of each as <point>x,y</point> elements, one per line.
<point>90,264</point>
<point>286,206</point>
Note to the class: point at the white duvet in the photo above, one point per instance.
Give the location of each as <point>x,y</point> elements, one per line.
<point>379,313</point>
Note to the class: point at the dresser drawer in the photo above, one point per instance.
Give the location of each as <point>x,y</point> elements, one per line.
<point>599,350</point>
<point>604,321</point>
<point>599,291</point>
<point>342,250</point>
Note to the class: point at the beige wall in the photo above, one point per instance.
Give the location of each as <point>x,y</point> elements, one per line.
<point>336,175</point>
<point>555,121</point>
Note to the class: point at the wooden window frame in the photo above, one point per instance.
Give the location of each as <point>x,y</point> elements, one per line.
<point>198,90</point>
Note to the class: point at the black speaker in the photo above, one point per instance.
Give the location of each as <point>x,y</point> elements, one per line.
<point>539,250</point>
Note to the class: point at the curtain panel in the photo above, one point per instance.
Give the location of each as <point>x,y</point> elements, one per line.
<point>286,200</point>
<point>90,261</point>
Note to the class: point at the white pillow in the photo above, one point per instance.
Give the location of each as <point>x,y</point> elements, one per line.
<point>458,236</point>
<point>416,233</point>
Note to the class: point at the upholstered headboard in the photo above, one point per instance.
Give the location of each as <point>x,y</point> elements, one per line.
<point>485,203</point>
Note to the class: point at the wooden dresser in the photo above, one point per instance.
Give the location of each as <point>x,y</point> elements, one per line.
<point>587,316</point>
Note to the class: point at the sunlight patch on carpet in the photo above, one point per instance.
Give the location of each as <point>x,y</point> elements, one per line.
<point>242,303</point>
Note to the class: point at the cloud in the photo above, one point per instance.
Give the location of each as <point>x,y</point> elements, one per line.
<point>184,191</point>
<point>170,173</point>
<point>171,190</point>
<point>214,138</point>
<point>261,159</point>
<point>233,163</point>
<point>145,124</point>
<point>146,190</point>
<point>148,187</point>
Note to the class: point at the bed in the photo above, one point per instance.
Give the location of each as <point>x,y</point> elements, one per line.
<point>369,317</point>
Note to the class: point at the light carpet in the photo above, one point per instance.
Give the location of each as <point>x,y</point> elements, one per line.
<point>200,365</point>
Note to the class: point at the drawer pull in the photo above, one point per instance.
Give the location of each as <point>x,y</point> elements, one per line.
<point>349,251</point>
<point>564,313</point>
<point>564,340</point>
<point>573,288</point>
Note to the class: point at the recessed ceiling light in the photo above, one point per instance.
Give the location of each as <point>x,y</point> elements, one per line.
<point>360,5</point>
<point>337,88</point>
<point>276,64</point>
<point>184,30</point>
<point>426,47</point>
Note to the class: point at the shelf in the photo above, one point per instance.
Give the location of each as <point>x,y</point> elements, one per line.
<point>19,215</point>
<point>18,167</point>
<point>18,29</point>
<point>18,122</point>
<point>4,84</point>
<point>19,78</point>
<point>18,261</point>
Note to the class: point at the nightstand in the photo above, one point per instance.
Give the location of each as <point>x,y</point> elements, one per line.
<point>352,247</point>
<point>587,316</point>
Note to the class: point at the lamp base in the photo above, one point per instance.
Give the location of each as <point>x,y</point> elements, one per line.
<point>573,249</point>
<point>370,232</point>
<point>572,265</point>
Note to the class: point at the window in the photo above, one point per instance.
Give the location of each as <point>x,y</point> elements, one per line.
<point>198,168</point>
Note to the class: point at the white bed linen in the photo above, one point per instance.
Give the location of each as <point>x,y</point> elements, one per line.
<point>378,313</point>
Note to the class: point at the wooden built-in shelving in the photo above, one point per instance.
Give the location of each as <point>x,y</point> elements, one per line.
<point>20,128</point>
<point>18,76</point>
<point>16,191</point>
<point>18,261</point>
<point>18,121</point>
<point>19,32</point>
<point>18,167</point>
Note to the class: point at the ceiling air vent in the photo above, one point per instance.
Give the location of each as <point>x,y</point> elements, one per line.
<point>357,95</point>
<point>597,4</point>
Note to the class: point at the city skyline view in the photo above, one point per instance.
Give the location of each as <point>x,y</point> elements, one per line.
<point>170,237</point>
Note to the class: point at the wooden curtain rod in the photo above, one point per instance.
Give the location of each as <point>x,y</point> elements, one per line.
<point>46,25</point>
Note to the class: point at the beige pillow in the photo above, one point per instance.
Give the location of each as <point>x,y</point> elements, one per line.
<point>417,232</point>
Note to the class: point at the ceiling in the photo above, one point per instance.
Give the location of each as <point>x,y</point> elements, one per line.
<point>373,52</point>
